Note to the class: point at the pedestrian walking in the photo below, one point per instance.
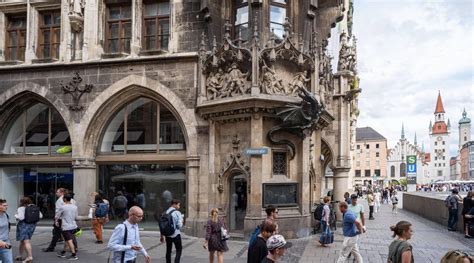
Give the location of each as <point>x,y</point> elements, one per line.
<point>325,221</point>
<point>457,256</point>
<point>351,229</point>
<point>452,204</point>
<point>68,214</point>
<point>400,251</point>
<point>394,200</point>
<point>27,215</point>
<point>100,216</point>
<point>377,197</point>
<point>60,192</point>
<point>6,255</point>
<point>357,209</point>
<point>119,204</point>
<point>277,247</point>
<point>347,197</point>
<point>214,241</point>
<point>125,240</point>
<point>371,202</point>
<point>468,213</point>
<point>272,216</point>
<point>175,237</point>
<point>258,250</point>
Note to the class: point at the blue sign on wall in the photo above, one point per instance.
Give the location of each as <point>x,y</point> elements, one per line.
<point>256,151</point>
<point>411,168</point>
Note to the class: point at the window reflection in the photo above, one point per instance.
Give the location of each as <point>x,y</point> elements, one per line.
<point>171,137</point>
<point>241,22</point>
<point>141,131</point>
<point>277,18</point>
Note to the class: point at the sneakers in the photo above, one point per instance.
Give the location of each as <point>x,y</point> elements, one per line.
<point>99,242</point>
<point>61,254</point>
<point>72,257</point>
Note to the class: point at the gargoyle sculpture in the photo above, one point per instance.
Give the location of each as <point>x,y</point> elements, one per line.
<point>297,118</point>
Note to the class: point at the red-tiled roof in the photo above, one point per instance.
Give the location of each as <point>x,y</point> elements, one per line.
<point>439,105</point>
<point>440,128</point>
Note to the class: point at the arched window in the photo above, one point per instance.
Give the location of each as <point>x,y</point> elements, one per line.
<point>39,130</point>
<point>277,17</point>
<point>136,127</point>
<point>403,170</point>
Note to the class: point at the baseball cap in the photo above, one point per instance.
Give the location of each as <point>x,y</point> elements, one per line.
<point>277,241</point>
<point>353,196</point>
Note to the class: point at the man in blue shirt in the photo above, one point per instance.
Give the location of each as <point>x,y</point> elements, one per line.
<point>128,252</point>
<point>351,228</point>
<point>175,238</point>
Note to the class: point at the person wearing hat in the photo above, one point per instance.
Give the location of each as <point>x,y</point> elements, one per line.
<point>276,246</point>
<point>358,209</point>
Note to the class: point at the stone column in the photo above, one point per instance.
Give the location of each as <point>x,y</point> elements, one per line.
<point>135,44</point>
<point>93,28</point>
<point>31,33</point>
<point>340,183</point>
<point>85,183</point>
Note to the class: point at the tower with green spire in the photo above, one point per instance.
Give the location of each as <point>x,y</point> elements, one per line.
<point>464,129</point>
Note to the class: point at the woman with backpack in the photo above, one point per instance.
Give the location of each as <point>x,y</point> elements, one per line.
<point>27,215</point>
<point>100,216</point>
<point>215,238</point>
<point>324,240</point>
<point>400,251</point>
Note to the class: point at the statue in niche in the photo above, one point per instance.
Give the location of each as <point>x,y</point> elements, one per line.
<point>76,6</point>
<point>298,82</point>
<point>271,84</point>
<point>235,82</point>
<point>214,84</point>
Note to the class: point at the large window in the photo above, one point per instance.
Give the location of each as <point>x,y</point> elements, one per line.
<point>156,28</point>
<point>280,195</point>
<point>15,38</point>
<point>135,128</point>
<point>38,130</point>
<point>119,28</point>
<point>277,17</point>
<point>241,22</point>
<point>49,34</point>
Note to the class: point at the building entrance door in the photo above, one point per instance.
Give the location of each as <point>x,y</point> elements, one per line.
<point>238,202</point>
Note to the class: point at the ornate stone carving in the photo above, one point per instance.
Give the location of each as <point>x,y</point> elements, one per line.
<point>297,119</point>
<point>235,163</point>
<point>299,81</point>
<point>214,84</point>
<point>76,16</point>
<point>271,84</point>
<point>235,82</point>
<point>83,163</point>
<point>73,88</point>
<point>347,55</point>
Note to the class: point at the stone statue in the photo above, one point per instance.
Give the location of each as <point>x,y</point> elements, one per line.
<point>76,6</point>
<point>235,82</point>
<point>214,84</point>
<point>345,54</point>
<point>271,84</point>
<point>298,82</point>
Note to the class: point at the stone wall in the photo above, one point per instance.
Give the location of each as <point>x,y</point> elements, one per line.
<point>431,208</point>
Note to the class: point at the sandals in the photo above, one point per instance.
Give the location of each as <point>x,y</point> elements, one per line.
<point>18,258</point>
<point>28,260</point>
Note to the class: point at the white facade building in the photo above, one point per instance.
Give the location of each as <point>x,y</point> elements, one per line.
<point>439,140</point>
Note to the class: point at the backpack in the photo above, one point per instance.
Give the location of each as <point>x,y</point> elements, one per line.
<point>318,213</point>
<point>120,202</point>
<point>102,210</point>
<point>254,235</point>
<point>447,202</point>
<point>32,214</point>
<point>166,223</point>
<point>9,224</point>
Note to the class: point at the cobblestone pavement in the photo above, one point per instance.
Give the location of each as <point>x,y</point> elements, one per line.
<point>430,242</point>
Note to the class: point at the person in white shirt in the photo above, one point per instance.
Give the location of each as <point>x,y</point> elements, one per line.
<point>378,198</point>
<point>68,214</point>
<point>175,238</point>
<point>125,240</point>
<point>24,231</point>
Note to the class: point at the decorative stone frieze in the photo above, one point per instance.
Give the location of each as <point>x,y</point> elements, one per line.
<point>74,89</point>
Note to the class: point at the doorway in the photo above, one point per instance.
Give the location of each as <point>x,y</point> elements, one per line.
<point>238,202</point>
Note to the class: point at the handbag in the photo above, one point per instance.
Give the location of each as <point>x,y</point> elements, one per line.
<point>224,233</point>
<point>327,237</point>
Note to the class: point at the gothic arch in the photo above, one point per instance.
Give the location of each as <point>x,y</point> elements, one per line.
<point>327,152</point>
<point>233,165</point>
<point>125,90</point>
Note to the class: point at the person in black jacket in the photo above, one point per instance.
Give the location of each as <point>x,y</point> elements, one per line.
<point>258,249</point>
<point>467,212</point>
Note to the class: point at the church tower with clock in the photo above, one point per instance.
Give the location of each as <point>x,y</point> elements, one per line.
<point>439,137</point>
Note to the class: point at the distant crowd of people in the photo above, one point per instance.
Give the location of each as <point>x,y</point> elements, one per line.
<point>266,244</point>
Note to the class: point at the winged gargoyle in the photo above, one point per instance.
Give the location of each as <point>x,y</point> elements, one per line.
<point>296,119</point>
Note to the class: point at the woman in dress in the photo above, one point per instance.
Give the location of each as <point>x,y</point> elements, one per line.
<point>400,251</point>
<point>24,231</point>
<point>214,242</point>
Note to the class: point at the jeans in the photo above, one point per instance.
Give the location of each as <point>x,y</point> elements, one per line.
<point>169,246</point>
<point>350,246</point>
<point>371,211</point>
<point>6,255</point>
<point>453,218</point>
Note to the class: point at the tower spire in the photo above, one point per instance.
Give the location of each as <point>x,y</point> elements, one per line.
<point>415,140</point>
<point>439,104</point>
<point>403,131</point>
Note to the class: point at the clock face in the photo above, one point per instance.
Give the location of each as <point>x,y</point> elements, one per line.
<point>440,138</point>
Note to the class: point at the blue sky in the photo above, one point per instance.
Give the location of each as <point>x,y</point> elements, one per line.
<point>408,50</point>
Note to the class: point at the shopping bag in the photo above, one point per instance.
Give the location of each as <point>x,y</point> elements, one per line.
<point>327,236</point>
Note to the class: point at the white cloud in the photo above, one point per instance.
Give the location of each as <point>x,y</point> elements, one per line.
<point>407,51</point>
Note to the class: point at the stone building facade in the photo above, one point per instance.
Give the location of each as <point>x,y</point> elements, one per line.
<point>228,104</point>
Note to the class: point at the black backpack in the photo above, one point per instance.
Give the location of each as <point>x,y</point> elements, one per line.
<point>318,213</point>
<point>32,214</point>
<point>166,223</point>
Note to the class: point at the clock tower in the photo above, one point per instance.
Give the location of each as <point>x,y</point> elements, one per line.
<point>439,136</point>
